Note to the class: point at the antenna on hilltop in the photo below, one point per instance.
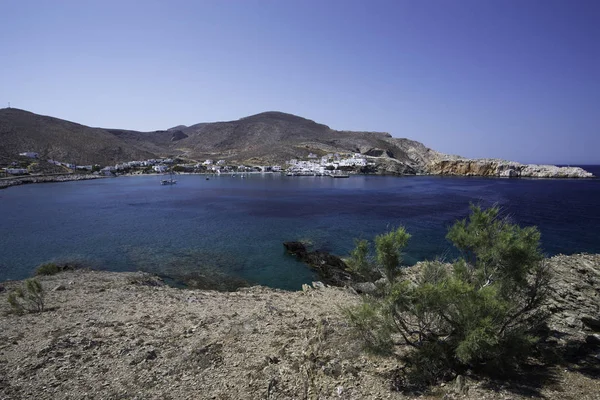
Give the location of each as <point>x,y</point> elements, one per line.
<point>9,104</point>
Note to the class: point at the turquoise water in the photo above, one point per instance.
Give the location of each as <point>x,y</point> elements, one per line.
<point>227,225</point>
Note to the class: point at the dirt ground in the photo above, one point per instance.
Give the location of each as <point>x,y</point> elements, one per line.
<point>127,336</point>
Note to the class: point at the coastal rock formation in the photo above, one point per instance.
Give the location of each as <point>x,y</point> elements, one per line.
<point>4,183</point>
<point>127,335</point>
<point>500,168</point>
<point>331,269</point>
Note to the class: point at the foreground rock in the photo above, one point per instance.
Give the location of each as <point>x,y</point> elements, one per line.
<point>128,336</point>
<point>457,166</point>
<point>331,269</point>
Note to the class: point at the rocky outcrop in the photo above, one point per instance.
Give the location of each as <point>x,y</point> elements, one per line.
<point>499,168</point>
<point>574,301</point>
<point>331,269</point>
<point>4,183</point>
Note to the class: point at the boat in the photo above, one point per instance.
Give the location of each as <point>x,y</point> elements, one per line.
<point>340,176</point>
<point>169,181</point>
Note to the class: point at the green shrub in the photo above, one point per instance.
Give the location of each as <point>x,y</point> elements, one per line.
<point>481,312</point>
<point>29,297</point>
<point>48,269</point>
<point>388,248</point>
<point>359,261</point>
<point>371,325</point>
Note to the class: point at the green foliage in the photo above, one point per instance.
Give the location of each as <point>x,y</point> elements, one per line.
<point>388,255</point>
<point>29,297</point>
<point>480,312</point>
<point>370,323</point>
<point>388,247</point>
<point>48,269</point>
<point>359,261</point>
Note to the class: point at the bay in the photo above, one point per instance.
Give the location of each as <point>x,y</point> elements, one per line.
<point>229,226</point>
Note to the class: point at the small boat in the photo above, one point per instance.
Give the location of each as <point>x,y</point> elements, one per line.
<point>340,175</point>
<point>169,181</point>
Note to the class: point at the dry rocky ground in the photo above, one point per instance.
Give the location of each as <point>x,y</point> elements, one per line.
<point>127,336</point>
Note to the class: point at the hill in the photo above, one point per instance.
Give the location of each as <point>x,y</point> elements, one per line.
<point>62,140</point>
<point>266,138</point>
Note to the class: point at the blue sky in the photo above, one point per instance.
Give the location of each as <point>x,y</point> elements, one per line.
<point>518,80</point>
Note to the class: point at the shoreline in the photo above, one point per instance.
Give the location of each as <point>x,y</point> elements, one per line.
<point>27,179</point>
<point>7,182</point>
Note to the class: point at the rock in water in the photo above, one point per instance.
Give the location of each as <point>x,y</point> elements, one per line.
<point>295,248</point>
<point>331,269</point>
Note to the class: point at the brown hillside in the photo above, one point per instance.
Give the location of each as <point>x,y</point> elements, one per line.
<point>270,137</point>
<point>62,140</point>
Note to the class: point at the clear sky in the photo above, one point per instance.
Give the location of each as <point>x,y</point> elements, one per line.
<point>513,79</point>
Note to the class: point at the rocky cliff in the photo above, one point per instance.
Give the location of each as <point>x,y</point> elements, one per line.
<point>501,168</point>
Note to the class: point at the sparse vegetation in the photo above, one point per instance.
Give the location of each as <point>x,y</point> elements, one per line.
<point>479,313</point>
<point>48,269</point>
<point>52,268</point>
<point>27,298</point>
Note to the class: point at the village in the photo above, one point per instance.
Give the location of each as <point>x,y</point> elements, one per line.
<point>333,164</point>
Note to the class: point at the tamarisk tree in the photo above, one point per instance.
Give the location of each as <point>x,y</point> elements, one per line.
<point>480,312</point>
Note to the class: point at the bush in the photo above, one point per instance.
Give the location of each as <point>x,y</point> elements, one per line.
<point>48,269</point>
<point>481,312</point>
<point>359,261</point>
<point>29,298</point>
<point>389,252</point>
<point>53,268</point>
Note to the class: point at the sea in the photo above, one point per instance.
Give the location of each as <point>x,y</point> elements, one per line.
<point>234,227</point>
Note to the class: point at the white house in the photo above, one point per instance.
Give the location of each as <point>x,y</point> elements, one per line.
<point>207,162</point>
<point>107,171</point>
<point>353,162</point>
<point>160,168</point>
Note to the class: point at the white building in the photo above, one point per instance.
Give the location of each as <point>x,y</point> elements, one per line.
<point>16,171</point>
<point>353,162</point>
<point>160,168</point>
<point>207,162</point>
<point>107,171</point>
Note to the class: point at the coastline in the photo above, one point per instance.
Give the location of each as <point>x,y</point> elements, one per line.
<point>27,179</point>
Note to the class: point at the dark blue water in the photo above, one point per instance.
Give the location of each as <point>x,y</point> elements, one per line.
<point>236,226</point>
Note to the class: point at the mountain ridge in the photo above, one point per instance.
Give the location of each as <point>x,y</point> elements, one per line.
<point>267,137</point>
